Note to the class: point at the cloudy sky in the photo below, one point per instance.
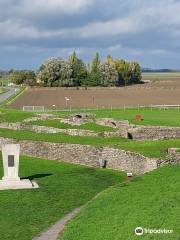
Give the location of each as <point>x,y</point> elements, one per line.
<point>143,30</point>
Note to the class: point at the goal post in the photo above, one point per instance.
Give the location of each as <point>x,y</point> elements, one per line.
<point>34,108</point>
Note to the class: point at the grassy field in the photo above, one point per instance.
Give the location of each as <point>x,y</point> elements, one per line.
<point>154,117</point>
<point>87,126</point>
<point>3,90</point>
<point>63,187</point>
<point>4,82</point>
<point>150,201</point>
<point>8,115</point>
<point>157,149</point>
<point>161,75</point>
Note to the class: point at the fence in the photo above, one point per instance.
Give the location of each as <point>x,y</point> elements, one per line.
<point>138,107</point>
<point>34,108</point>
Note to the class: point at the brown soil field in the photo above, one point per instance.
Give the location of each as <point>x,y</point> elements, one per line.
<point>157,92</point>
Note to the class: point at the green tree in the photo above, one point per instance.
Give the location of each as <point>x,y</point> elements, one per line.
<point>23,77</point>
<point>123,70</point>
<point>135,72</point>
<point>18,77</point>
<point>109,73</point>
<point>49,72</point>
<point>94,74</point>
<point>79,70</point>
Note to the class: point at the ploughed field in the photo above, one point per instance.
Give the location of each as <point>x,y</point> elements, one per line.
<point>158,91</point>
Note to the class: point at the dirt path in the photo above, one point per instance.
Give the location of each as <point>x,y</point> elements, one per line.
<point>54,232</point>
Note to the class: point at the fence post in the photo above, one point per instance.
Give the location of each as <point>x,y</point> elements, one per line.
<point>124,107</point>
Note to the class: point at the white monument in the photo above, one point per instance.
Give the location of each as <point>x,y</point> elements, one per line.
<point>11,180</point>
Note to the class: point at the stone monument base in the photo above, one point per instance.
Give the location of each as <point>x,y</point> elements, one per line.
<point>17,184</point>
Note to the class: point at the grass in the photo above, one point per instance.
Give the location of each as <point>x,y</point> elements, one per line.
<point>63,187</point>
<point>156,149</point>
<point>3,90</point>
<point>150,201</point>
<point>12,115</point>
<point>161,75</point>
<point>4,82</point>
<point>87,126</point>
<point>14,97</point>
<point>154,117</point>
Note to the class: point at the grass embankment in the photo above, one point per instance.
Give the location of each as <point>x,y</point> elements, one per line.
<point>87,126</point>
<point>148,148</point>
<point>150,201</point>
<point>63,187</point>
<point>11,99</point>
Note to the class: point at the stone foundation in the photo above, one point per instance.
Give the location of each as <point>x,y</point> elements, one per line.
<point>153,133</point>
<point>173,157</point>
<point>86,155</point>
<point>72,132</point>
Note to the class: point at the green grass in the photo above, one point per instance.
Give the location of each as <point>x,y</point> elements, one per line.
<point>154,117</point>
<point>150,201</point>
<point>87,126</point>
<point>157,149</point>
<point>3,90</point>
<point>9,115</point>
<point>4,81</point>
<point>11,99</point>
<point>161,75</point>
<point>63,187</point>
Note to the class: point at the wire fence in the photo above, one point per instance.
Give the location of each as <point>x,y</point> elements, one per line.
<point>98,107</point>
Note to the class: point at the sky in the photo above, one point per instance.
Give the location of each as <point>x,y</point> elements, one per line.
<point>147,31</point>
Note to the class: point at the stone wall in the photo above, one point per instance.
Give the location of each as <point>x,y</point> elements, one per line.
<point>153,133</point>
<point>72,132</point>
<point>86,155</point>
<point>173,157</point>
<point>124,129</point>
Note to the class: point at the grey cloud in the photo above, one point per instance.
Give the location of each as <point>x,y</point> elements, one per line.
<point>41,28</point>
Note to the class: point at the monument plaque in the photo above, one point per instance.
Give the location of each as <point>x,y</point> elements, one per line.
<point>10,160</point>
<point>11,179</point>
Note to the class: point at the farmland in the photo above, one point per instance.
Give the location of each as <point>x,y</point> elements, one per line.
<point>155,92</point>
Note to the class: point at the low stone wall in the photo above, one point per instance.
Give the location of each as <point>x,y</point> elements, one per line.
<point>41,117</point>
<point>72,132</point>
<point>86,155</point>
<point>124,129</point>
<point>153,133</point>
<point>173,157</point>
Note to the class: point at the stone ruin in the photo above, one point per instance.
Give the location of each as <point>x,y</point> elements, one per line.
<point>80,118</point>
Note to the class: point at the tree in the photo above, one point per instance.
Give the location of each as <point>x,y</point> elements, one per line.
<point>135,72</point>
<point>18,77</point>
<point>23,77</point>
<point>109,73</point>
<point>95,63</point>
<point>79,70</point>
<point>74,72</point>
<point>124,74</point>
<point>49,72</point>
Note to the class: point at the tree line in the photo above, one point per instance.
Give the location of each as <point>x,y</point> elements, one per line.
<point>73,72</point>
